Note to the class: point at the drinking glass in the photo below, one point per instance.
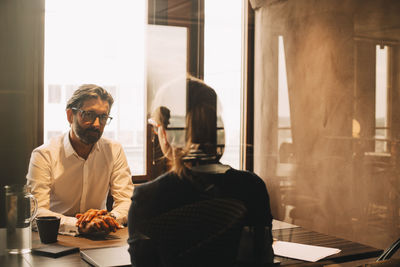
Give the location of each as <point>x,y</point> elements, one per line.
<point>21,209</point>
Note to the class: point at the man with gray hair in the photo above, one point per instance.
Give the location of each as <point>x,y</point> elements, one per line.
<point>72,174</point>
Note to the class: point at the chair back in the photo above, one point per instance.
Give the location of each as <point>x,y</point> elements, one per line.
<point>205,233</point>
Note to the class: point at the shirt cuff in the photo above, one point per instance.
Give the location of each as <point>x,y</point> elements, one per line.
<point>120,218</point>
<point>68,226</point>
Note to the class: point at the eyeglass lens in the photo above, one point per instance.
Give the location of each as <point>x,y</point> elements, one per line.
<point>91,117</point>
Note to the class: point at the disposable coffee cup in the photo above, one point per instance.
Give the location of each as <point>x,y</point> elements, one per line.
<point>48,228</point>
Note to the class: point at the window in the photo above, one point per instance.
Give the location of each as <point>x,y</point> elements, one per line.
<point>100,42</point>
<point>133,52</point>
<point>222,68</point>
<point>54,94</point>
<point>382,122</point>
<point>285,142</point>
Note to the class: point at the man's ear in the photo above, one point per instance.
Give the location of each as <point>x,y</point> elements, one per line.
<point>70,116</point>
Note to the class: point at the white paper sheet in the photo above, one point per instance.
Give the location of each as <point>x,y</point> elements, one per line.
<point>301,251</point>
<point>279,225</point>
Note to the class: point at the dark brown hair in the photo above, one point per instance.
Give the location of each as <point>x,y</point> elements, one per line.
<point>89,91</point>
<point>201,126</point>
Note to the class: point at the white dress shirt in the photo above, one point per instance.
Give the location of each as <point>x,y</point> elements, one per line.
<point>65,184</point>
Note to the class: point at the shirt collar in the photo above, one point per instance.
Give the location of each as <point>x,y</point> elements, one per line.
<point>69,150</point>
<point>96,146</point>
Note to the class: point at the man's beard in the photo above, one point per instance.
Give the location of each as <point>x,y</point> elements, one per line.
<point>88,135</point>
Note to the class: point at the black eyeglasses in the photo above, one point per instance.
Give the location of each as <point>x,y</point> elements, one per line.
<point>90,116</point>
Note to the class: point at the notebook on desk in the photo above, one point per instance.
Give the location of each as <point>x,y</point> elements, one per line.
<point>105,257</point>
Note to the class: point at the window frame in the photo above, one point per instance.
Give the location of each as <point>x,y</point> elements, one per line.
<point>182,13</point>
<point>389,92</point>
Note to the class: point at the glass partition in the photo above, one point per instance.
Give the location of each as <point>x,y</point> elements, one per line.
<point>342,62</point>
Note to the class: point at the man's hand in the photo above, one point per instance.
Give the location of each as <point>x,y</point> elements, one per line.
<point>97,224</point>
<point>94,221</point>
<point>112,223</point>
<point>88,216</point>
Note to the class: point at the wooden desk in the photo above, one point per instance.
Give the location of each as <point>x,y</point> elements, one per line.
<point>116,239</point>
<point>281,231</point>
<point>113,240</point>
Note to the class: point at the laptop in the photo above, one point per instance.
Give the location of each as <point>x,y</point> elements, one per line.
<point>106,257</point>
